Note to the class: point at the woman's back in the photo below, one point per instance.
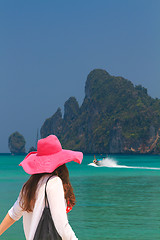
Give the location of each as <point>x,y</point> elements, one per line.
<point>57,203</point>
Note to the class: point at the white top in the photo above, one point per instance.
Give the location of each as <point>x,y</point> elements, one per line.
<point>57,203</point>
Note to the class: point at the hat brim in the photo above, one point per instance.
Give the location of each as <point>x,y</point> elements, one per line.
<point>34,164</point>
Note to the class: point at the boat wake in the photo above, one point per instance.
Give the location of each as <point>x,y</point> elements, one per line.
<point>111,163</point>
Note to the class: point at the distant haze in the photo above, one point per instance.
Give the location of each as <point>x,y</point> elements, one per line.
<point>49,47</point>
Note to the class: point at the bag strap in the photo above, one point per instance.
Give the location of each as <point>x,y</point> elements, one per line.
<point>46,199</point>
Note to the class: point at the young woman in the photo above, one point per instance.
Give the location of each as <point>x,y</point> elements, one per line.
<point>48,161</point>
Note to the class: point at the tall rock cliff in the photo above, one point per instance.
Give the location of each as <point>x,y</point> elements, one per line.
<point>52,125</point>
<point>71,110</point>
<point>115,117</point>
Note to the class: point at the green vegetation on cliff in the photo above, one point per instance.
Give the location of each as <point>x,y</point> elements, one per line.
<point>115,117</point>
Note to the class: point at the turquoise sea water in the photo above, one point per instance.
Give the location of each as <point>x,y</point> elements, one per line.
<point>115,202</point>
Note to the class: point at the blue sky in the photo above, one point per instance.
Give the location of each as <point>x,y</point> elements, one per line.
<point>47,49</point>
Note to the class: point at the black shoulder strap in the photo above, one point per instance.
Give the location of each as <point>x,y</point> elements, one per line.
<point>46,199</point>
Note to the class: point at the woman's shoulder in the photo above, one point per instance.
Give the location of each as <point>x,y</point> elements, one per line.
<point>54,182</point>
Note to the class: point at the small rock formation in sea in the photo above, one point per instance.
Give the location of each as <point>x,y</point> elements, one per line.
<point>32,149</point>
<point>16,143</point>
<point>115,117</point>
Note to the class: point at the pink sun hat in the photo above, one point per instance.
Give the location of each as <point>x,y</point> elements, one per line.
<point>49,156</point>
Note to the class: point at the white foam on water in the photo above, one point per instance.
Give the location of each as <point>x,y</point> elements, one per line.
<point>111,163</point>
<point>93,165</point>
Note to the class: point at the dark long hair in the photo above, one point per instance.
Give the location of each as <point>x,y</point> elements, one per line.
<point>28,192</point>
